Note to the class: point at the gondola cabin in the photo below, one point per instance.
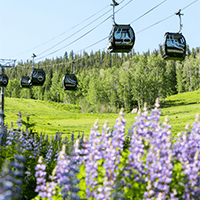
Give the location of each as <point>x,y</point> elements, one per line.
<point>70,82</point>
<point>25,82</point>
<point>3,80</point>
<point>174,46</point>
<point>121,39</point>
<point>37,77</point>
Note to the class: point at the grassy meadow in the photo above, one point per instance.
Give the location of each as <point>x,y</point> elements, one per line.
<point>57,117</point>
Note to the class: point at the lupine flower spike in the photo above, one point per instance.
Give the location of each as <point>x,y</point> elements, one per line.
<point>40,175</point>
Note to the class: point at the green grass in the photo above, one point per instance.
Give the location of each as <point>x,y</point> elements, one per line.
<point>56,117</point>
<point>182,109</point>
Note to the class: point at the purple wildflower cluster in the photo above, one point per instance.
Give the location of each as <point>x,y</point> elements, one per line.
<point>67,169</point>
<point>101,156</point>
<point>44,189</point>
<point>41,181</point>
<point>151,141</point>
<point>30,146</point>
<point>186,151</point>
<point>11,178</point>
<point>147,164</point>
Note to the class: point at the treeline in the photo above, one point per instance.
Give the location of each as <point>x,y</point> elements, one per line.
<point>107,81</point>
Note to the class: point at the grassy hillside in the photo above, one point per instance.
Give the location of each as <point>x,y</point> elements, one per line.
<point>56,117</point>
<point>182,109</point>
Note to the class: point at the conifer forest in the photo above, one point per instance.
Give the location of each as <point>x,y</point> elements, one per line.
<point>108,82</point>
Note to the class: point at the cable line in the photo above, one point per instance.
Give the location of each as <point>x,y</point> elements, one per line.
<point>83,34</point>
<point>62,32</point>
<point>131,22</point>
<point>73,33</point>
<point>76,32</point>
<point>148,11</point>
<point>189,5</point>
<point>155,24</point>
<point>93,44</point>
<point>165,18</point>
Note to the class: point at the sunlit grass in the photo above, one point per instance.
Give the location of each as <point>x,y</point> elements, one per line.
<point>50,118</point>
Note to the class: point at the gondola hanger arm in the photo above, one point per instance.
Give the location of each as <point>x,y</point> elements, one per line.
<point>74,67</point>
<point>33,56</point>
<point>180,25</point>
<point>113,5</point>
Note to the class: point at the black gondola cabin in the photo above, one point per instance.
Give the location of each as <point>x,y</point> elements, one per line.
<point>121,39</point>
<point>3,80</point>
<point>25,82</point>
<point>37,77</point>
<point>70,82</point>
<point>174,46</point>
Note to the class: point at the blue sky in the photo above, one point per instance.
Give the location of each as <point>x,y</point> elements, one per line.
<point>35,26</point>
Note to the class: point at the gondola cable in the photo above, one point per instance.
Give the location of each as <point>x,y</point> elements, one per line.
<point>165,18</point>
<point>61,33</point>
<point>131,23</point>
<point>76,32</point>
<point>73,34</point>
<point>148,11</point>
<point>83,34</point>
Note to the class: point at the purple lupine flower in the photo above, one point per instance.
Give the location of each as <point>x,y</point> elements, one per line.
<point>49,154</point>
<point>159,157</point>
<point>56,155</point>
<point>92,156</point>
<point>150,139</point>
<point>136,150</point>
<point>186,151</point>
<point>61,163</point>
<point>19,121</point>
<point>102,148</point>
<point>11,178</point>
<point>18,175</point>
<point>41,181</point>
<point>139,138</point>
<point>6,181</point>
<point>67,168</point>
<point>27,175</point>
<point>50,186</point>
<point>112,154</point>
<point>10,138</point>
